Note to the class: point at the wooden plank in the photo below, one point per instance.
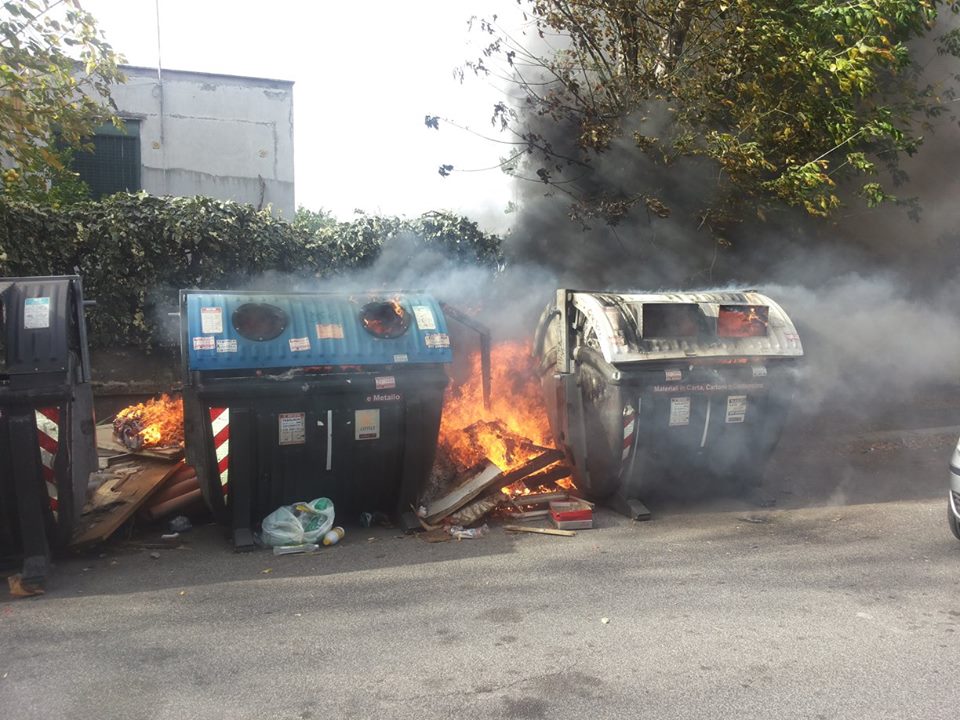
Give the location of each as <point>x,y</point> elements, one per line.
<point>119,498</point>
<point>548,476</point>
<point>548,457</point>
<point>479,481</point>
<point>539,531</point>
<point>106,441</point>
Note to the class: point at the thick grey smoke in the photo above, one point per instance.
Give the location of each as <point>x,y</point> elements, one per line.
<point>873,293</point>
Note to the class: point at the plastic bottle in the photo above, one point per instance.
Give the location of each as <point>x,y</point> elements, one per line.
<point>333,536</point>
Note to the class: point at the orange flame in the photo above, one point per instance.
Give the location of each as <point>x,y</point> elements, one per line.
<point>160,421</point>
<point>508,433</point>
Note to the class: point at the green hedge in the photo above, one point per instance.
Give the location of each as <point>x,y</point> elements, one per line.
<point>135,252</point>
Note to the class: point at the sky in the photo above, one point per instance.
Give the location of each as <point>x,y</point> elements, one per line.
<point>365,74</point>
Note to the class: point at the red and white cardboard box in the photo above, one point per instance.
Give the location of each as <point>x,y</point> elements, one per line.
<point>571,515</point>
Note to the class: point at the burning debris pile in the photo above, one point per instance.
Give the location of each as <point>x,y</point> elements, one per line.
<point>497,456</point>
<point>157,423</point>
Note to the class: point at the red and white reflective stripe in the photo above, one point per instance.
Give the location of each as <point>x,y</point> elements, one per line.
<point>627,456</point>
<point>48,437</point>
<point>220,424</point>
<point>629,428</point>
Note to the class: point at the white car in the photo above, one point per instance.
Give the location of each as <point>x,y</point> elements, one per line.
<point>953,498</point>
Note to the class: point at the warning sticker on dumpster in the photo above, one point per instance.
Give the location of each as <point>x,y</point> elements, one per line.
<point>211,320</point>
<point>386,382</point>
<point>292,428</point>
<point>367,423</point>
<point>204,343</point>
<point>424,316</point>
<point>329,331</point>
<point>736,408</point>
<point>299,344</point>
<point>226,346</point>
<point>437,340</point>
<point>401,358</point>
<point>36,313</point>
<point>679,411</point>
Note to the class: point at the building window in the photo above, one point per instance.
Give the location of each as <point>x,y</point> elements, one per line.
<point>114,163</point>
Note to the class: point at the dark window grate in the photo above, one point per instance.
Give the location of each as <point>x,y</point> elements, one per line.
<point>113,166</point>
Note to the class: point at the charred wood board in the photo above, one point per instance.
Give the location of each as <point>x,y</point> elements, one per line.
<point>478,482</point>
<point>548,457</point>
<point>107,442</point>
<point>548,476</point>
<point>117,499</point>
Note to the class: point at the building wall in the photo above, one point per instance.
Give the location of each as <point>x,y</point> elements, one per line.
<point>223,136</point>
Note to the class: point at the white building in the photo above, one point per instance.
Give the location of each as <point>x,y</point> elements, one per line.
<point>192,133</point>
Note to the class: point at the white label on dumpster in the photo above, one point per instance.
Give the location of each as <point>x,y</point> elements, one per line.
<point>367,424</point>
<point>386,382</point>
<point>679,411</point>
<point>672,375</point>
<point>211,320</point>
<point>36,313</point>
<point>299,344</point>
<point>437,340</point>
<point>292,428</point>
<point>204,343</point>
<point>329,331</point>
<point>424,316</point>
<point>226,346</point>
<point>736,408</point>
<point>401,358</point>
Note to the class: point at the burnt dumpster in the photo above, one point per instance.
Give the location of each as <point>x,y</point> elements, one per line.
<point>47,443</point>
<point>644,387</point>
<point>294,396</point>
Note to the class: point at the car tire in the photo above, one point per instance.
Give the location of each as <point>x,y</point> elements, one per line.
<point>953,522</point>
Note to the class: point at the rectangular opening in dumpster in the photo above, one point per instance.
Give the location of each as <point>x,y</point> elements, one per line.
<point>742,321</point>
<point>671,320</point>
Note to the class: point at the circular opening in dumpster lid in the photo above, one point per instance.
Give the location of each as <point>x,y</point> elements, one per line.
<point>259,321</point>
<point>384,319</point>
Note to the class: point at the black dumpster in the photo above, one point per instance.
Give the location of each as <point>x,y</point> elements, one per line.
<point>643,387</point>
<point>47,442</point>
<point>293,396</point>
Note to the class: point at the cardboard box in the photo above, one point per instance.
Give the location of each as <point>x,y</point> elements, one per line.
<point>571,515</point>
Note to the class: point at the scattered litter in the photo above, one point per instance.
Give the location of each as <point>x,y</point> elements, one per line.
<point>334,536</point>
<point>460,533</point>
<point>422,511</point>
<point>180,524</point>
<point>170,536</point>
<point>21,589</point>
<point>605,620</point>
<point>266,571</point>
<point>182,593</point>
<point>155,555</point>
<point>368,520</point>
<point>299,523</point>
<point>294,549</point>
<point>437,535</point>
<point>755,519</point>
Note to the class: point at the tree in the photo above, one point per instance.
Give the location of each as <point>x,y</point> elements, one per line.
<point>785,99</point>
<point>56,69</point>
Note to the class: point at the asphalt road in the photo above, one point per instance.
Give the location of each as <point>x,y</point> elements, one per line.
<point>842,600</point>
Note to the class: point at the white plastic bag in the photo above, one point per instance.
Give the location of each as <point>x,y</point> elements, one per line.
<point>299,523</point>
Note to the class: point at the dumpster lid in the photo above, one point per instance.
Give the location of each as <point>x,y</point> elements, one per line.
<point>636,327</point>
<point>41,322</point>
<point>251,330</point>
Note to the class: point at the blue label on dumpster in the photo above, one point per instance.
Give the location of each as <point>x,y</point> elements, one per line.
<point>304,330</point>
